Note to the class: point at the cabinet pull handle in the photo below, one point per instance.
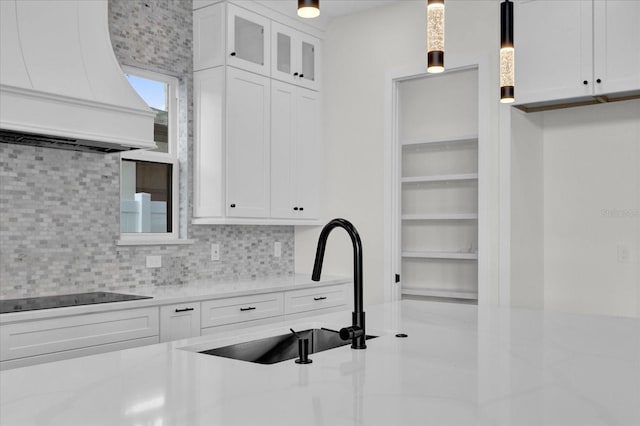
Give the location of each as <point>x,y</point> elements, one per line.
<point>598,81</point>
<point>585,82</point>
<point>232,54</point>
<point>250,308</point>
<point>184,310</point>
<point>233,206</point>
<point>320,298</point>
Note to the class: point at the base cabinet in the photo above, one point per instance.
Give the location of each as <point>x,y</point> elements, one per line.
<point>179,321</point>
<point>34,342</point>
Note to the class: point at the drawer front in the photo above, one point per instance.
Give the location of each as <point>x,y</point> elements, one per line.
<point>311,299</point>
<point>239,309</point>
<point>33,338</point>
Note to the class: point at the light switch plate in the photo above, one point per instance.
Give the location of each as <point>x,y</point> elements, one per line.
<point>215,252</point>
<point>277,249</point>
<point>154,261</point>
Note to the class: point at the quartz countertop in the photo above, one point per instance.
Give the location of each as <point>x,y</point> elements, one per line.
<point>165,295</point>
<point>460,365</point>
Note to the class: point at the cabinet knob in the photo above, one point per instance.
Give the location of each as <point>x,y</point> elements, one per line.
<point>232,54</point>
<point>295,74</point>
<point>301,208</point>
<point>301,75</point>
<point>233,206</point>
<point>598,81</point>
<point>295,208</point>
<point>585,82</point>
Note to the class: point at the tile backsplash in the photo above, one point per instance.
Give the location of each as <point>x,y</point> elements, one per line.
<point>59,210</point>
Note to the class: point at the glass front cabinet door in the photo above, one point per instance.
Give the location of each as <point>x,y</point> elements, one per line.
<point>295,56</point>
<point>248,42</point>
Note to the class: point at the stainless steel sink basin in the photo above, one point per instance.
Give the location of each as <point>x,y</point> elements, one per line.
<point>275,349</point>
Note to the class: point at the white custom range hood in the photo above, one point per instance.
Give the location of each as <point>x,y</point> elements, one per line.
<point>60,83</point>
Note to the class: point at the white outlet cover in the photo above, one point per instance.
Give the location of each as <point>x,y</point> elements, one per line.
<point>154,261</point>
<point>215,252</point>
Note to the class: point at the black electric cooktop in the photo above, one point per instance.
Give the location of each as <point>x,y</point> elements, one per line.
<point>64,300</point>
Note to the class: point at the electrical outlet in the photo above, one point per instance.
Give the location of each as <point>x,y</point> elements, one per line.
<point>215,252</point>
<point>623,253</point>
<point>154,261</point>
<point>277,249</point>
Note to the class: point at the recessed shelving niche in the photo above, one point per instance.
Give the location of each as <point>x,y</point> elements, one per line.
<point>439,185</point>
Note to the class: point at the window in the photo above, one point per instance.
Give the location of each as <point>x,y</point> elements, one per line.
<point>149,178</point>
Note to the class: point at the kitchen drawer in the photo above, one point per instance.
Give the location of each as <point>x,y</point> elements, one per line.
<point>32,338</point>
<point>239,309</point>
<point>311,299</point>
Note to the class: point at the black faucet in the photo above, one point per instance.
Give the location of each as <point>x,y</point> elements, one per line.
<point>357,330</point>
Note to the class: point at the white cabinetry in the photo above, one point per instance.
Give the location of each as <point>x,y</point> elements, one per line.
<point>33,342</point>
<point>313,299</point>
<point>242,309</point>
<point>179,321</point>
<point>295,152</point>
<point>247,144</point>
<point>257,160</point>
<point>247,38</point>
<point>295,56</point>
<point>588,48</point>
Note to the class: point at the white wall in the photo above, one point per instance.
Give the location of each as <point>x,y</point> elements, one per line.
<point>575,202</point>
<point>591,207</point>
<point>359,52</point>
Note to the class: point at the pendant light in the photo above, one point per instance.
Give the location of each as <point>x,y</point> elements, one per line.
<point>506,53</point>
<point>308,8</point>
<point>435,36</point>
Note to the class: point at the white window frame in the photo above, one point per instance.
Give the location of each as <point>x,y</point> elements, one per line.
<point>170,157</point>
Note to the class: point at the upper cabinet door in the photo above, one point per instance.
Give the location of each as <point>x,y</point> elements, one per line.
<point>553,61</point>
<point>308,155</point>
<point>616,46</point>
<point>295,56</point>
<point>248,41</point>
<point>208,37</point>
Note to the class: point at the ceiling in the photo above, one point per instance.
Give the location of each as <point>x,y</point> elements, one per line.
<point>329,9</point>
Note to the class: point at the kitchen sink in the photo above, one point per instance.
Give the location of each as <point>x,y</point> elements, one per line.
<point>271,350</point>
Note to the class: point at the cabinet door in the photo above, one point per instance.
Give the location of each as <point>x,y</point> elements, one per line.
<point>553,61</point>
<point>248,125</point>
<point>616,45</point>
<point>308,154</point>
<point>282,53</point>
<point>208,37</point>
<point>248,40</point>
<point>308,61</point>
<point>179,321</point>
<point>208,89</point>
<point>283,128</point>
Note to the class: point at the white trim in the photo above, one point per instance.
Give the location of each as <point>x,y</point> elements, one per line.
<point>255,221</point>
<point>140,241</point>
<point>454,294</point>
<point>392,178</point>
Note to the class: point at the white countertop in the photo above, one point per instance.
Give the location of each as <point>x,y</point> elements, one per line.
<point>165,295</point>
<point>460,365</point>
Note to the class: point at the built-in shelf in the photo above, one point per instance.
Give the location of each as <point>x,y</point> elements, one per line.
<point>439,255</point>
<point>441,216</point>
<point>440,178</point>
<point>460,139</point>
<point>456,294</point>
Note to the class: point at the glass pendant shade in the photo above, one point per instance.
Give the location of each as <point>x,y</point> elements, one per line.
<point>308,8</point>
<point>507,53</point>
<point>435,36</point>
